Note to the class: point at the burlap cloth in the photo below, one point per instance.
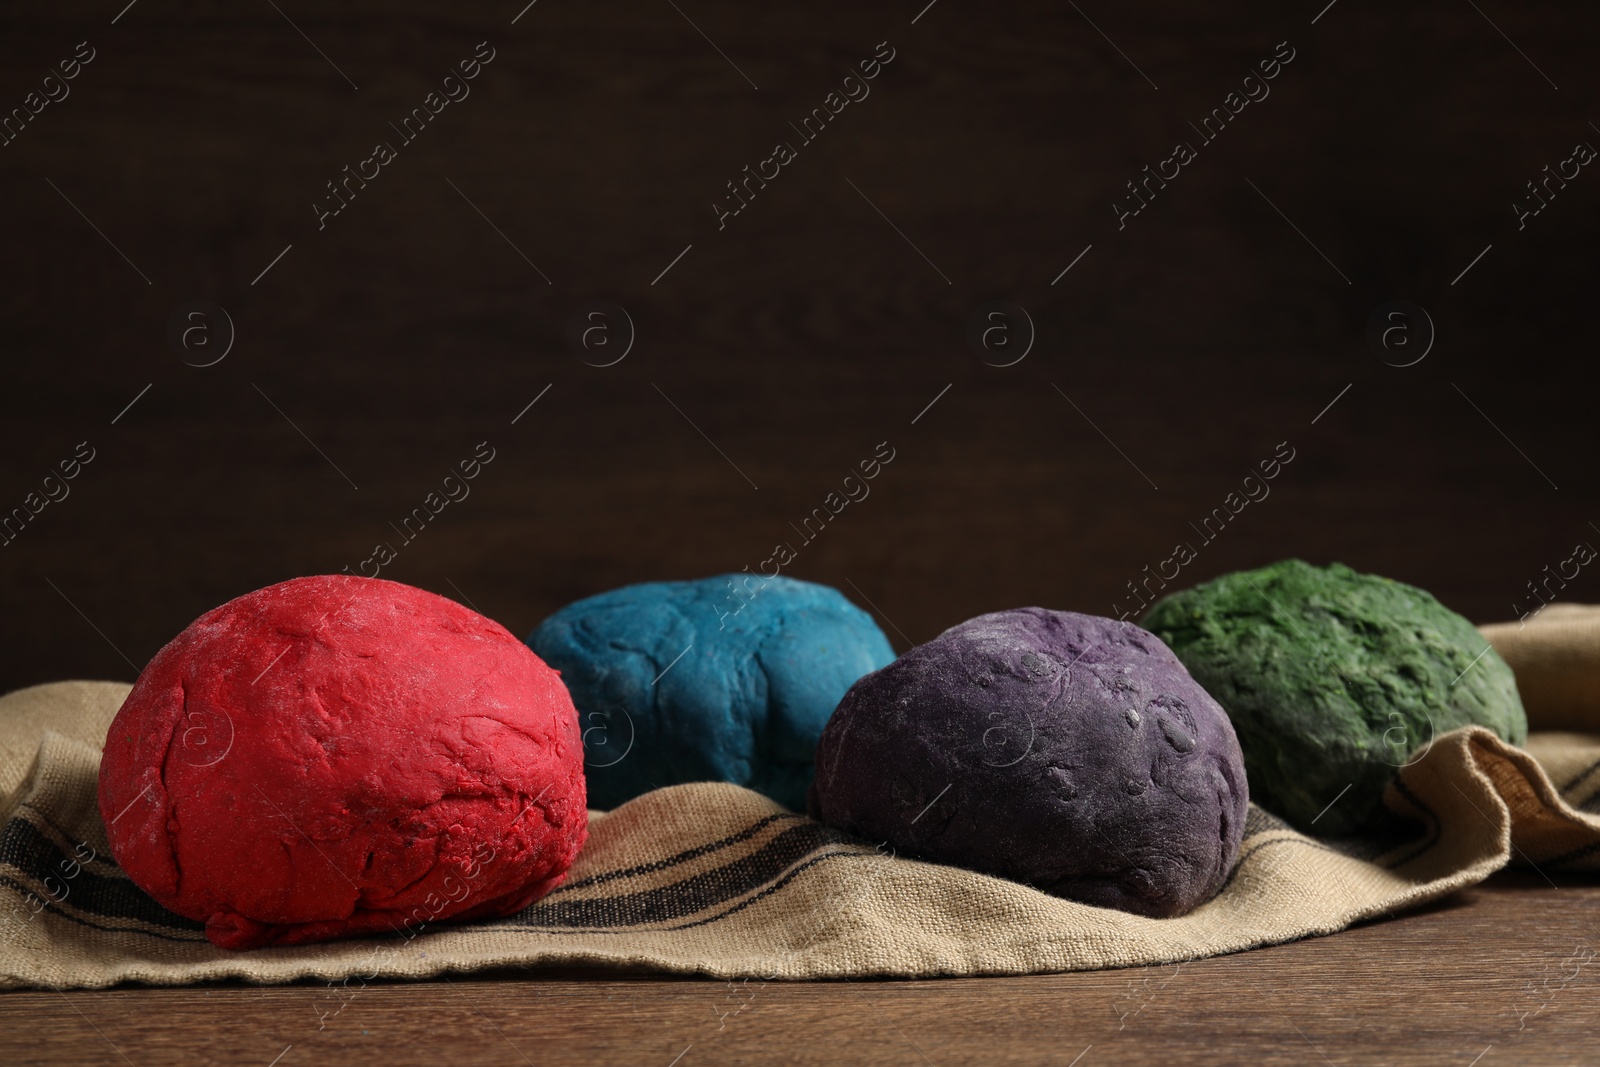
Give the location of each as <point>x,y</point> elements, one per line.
<point>716,880</point>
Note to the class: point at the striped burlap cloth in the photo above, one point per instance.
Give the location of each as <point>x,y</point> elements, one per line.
<point>716,880</point>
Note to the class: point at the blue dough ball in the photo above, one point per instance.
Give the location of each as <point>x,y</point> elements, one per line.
<point>729,679</point>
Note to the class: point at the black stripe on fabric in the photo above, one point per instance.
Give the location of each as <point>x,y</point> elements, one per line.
<point>1309,842</point>
<point>1238,863</point>
<point>103,859</point>
<point>1432,822</point>
<point>1297,839</point>
<point>1258,820</point>
<point>1379,841</point>
<point>797,870</point>
<point>1587,771</point>
<point>1569,857</point>
<point>55,909</point>
<point>27,848</point>
<point>691,895</point>
<point>776,885</point>
<point>673,861</point>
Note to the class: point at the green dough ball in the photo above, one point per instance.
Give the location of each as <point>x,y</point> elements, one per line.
<point>1334,679</point>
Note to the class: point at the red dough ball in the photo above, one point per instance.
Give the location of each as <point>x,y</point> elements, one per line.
<point>335,756</point>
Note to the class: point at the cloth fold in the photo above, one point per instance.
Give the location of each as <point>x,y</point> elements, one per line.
<point>713,879</point>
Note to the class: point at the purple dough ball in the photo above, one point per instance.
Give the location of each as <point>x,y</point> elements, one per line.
<point>1070,752</point>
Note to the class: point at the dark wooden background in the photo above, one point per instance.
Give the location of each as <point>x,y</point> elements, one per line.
<point>818,323</point>
<point>804,332</point>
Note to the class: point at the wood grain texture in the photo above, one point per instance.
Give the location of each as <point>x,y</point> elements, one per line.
<point>803,333</point>
<point>1441,986</point>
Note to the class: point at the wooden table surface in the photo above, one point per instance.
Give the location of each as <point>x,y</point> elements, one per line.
<point>1173,350</point>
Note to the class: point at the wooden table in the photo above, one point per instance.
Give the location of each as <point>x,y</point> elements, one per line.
<point>1506,973</point>
<point>1174,350</point>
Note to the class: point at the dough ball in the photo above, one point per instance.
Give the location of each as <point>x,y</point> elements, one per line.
<point>1335,679</point>
<point>1070,752</point>
<point>722,679</point>
<point>336,756</point>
